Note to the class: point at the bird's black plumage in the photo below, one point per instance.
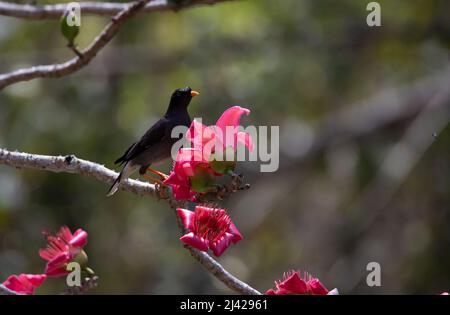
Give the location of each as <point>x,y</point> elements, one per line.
<point>153,135</point>
<point>156,144</point>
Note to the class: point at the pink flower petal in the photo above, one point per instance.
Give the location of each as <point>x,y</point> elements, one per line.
<point>231,117</point>
<point>195,241</point>
<point>173,179</point>
<point>183,193</point>
<point>286,292</point>
<point>246,139</point>
<point>236,235</point>
<point>317,287</point>
<point>187,217</point>
<point>56,266</point>
<point>45,254</point>
<point>219,247</point>
<point>24,283</point>
<point>79,239</point>
<point>199,134</point>
<point>293,284</point>
<point>16,284</point>
<point>36,280</point>
<point>65,234</point>
<point>203,209</point>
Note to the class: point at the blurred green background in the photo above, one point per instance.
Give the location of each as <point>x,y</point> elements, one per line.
<point>296,64</point>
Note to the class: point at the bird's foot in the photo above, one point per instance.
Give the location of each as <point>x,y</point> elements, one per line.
<point>163,191</point>
<point>153,180</point>
<point>161,175</point>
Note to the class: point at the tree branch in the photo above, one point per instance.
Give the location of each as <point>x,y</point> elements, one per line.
<point>122,11</point>
<point>54,11</point>
<point>69,67</point>
<point>220,273</point>
<point>73,165</point>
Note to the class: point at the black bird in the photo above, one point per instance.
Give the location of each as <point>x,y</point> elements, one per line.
<point>156,144</point>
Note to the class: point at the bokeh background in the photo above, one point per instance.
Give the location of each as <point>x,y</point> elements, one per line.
<point>364,143</point>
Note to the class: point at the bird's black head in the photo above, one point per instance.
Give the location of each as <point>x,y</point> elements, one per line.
<point>180,99</point>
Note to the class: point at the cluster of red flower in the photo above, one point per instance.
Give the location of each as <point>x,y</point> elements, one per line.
<point>193,173</point>
<point>62,249</point>
<point>195,168</point>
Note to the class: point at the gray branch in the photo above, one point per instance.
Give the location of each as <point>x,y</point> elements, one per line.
<point>81,60</point>
<point>73,165</point>
<point>54,11</point>
<point>220,273</point>
<point>121,11</point>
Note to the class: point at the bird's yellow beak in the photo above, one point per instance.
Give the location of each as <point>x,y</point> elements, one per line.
<point>194,93</point>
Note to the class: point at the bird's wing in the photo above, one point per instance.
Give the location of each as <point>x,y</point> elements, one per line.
<point>122,159</point>
<point>155,134</point>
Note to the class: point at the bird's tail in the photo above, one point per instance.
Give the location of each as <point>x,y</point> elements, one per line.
<point>115,186</point>
<point>124,174</point>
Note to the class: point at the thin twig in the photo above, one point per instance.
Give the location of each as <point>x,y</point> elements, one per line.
<point>74,64</point>
<point>54,11</point>
<point>121,11</point>
<point>220,273</point>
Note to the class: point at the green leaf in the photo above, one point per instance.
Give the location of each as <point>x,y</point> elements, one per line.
<point>69,32</point>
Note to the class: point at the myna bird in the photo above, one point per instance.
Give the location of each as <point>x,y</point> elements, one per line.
<point>156,144</point>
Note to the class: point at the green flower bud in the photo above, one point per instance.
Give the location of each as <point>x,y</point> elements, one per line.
<point>225,166</point>
<point>81,258</point>
<point>201,181</point>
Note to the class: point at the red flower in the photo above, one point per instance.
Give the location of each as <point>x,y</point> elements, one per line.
<point>62,249</point>
<point>24,283</point>
<point>190,175</point>
<point>293,283</point>
<point>208,140</point>
<point>209,228</point>
<point>194,168</point>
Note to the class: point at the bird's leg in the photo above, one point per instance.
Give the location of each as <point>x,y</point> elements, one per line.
<point>161,175</point>
<point>159,185</point>
<point>153,180</point>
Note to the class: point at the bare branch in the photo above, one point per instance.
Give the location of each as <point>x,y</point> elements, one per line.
<point>69,67</point>
<point>220,273</point>
<point>54,11</point>
<point>72,164</point>
<point>122,11</point>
